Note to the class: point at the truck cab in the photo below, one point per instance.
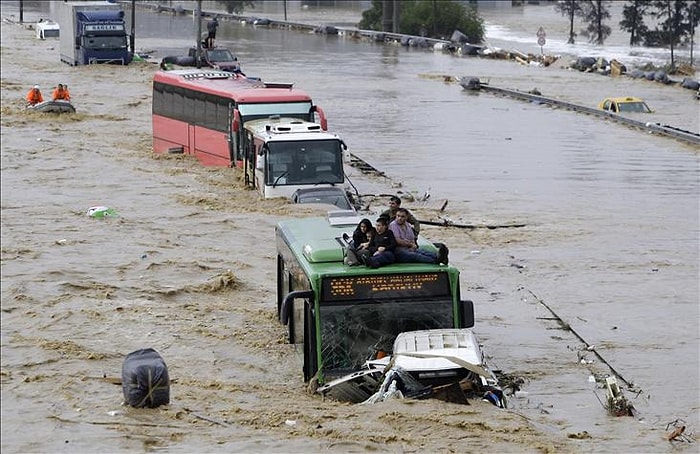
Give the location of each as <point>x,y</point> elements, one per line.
<point>93,32</point>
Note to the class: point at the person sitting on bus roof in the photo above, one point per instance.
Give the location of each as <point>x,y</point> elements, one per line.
<point>61,93</point>
<point>394,204</point>
<point>34,96</point>
<point>406,244</point>
<point>360,237</point>
<point>359,245</point>
<point>382,246</point>
<point>407,249</point>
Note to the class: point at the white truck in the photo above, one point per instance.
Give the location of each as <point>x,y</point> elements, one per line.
<point>47,29</point>
<point>92,32</point>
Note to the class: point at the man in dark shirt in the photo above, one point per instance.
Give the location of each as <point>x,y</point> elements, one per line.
<point>382,246</point>
<point>394,205</point>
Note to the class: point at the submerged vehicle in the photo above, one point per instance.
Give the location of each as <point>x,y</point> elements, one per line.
<point>292,154</point>
<point>447,364</point>
<point>230,101</point>
<point>47,29</point>
<point>93,32</point>
<point>217,58</point>
<point>327,195</point>
<point>625,104</point>
<point>361,329</point>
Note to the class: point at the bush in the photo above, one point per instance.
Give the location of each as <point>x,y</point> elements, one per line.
<point>432,18</point>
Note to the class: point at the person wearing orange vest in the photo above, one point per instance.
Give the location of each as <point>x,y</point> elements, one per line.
<point>61,93</point>
<point>34,96</point>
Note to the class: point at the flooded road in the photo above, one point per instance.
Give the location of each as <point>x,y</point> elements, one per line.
<point>610,245</point>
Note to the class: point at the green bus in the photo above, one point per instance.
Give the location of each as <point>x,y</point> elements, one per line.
<point>344,315</point>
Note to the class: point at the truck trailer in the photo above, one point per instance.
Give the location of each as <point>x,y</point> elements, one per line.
<point>93,32</point>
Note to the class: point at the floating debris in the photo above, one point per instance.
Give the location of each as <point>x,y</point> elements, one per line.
<point>616,403</point>
<point>101,212</point>
<point>679,432</point>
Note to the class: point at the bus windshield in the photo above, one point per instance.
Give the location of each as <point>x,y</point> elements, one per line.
<point>353,333</point>
<point>304,162</point>
<point>294,109</point>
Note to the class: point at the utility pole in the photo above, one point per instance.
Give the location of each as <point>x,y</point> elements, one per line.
<point>133,27</point>
<point>692,37</point>
<point>395,20</point>
<point>21,11</point>
<point>198,31</point>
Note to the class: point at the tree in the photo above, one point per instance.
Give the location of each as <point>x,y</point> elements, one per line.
<point>436,18</point>
<point>372,17</point>
<point>236,6</point>
<point>633,20</point>
<point>594,13</point>
<point>570,8</point>
<point>676,22</point>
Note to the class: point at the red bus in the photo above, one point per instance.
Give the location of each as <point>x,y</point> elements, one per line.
<point>202,112</point>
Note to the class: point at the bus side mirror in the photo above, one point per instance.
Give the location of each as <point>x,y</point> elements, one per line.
<point>236,120</point>
<point>321,117</point>
<point>466,314</point>
<point>287,307</point>
<point>287,303</point>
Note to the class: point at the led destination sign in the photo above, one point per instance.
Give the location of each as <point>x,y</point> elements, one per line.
<point>385,286</point>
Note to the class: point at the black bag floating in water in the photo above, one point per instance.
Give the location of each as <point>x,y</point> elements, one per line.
<point>145,380</point>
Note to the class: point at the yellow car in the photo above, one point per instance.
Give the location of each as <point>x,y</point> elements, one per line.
<point>627,104</point>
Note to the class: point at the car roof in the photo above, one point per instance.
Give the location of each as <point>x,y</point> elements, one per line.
<point>320,190</point>
<point>623,99</point>
<point>323,194</point>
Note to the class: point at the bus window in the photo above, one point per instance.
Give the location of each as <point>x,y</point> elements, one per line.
<point>306,162</point>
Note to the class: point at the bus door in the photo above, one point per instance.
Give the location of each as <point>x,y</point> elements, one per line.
<point>232,134</point>
<point>249,159</point>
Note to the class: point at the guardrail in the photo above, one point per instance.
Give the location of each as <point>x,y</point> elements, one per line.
<point>667,130</point>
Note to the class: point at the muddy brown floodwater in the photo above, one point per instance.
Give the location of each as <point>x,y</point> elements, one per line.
<point>188,265</point>
<point>187,268</point>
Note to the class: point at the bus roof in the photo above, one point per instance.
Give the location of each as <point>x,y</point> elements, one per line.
<point>235,86</point>
<point>317,243</point>
<point>277,128</point>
